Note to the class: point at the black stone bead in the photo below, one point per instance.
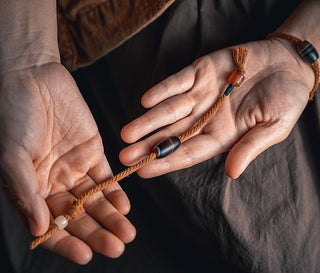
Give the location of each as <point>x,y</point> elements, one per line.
<point>167,146</point>
<point>307,51</point>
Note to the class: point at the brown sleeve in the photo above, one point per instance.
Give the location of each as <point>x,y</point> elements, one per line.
<point>89,29</point>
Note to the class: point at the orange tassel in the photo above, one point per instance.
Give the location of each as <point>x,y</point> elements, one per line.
<point>239,57</point>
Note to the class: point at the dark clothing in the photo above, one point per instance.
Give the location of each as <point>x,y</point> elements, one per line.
<point>89,29</point>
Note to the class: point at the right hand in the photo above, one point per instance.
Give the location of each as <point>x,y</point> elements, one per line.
<point>50,153</point>
<point>258,114</point>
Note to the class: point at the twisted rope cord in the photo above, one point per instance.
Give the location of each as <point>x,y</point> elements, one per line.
<point>204,120</point>
<point>316,71</point>
<point>78,203</point>
<point>315,65</point>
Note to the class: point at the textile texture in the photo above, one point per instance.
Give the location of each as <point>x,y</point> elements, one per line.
<point>198,219</point>
<point>89,29</point>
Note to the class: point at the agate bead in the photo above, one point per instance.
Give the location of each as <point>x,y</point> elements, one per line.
<point>236,78</point>
<point>167,146</point>
<point>61,222</point>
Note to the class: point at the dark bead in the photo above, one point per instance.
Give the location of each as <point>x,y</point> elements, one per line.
<point>307,52</point>
<point>228,89</point>
<point>167,146</point>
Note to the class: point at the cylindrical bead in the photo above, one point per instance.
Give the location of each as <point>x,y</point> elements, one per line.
<point>228,89</point>
<point>236,78</point>
<point>307,51</point>
<point>61,222</point>
<point>167,146</point>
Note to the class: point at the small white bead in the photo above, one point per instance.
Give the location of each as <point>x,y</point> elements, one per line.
<point>61,222</point>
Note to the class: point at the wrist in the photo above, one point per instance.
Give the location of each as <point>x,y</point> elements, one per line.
<point>307,52</point>
<point>28,35</point>
<point>304,23</point>
<point>18,59</point>
<point>285,58</point>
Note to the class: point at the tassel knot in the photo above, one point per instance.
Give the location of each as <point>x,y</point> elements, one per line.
<point>239,56</point>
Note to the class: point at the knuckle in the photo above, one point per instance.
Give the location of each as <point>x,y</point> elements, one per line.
<point>190,156</point>
<point>179,81</point>
<point>163,86</point>
<point>202,62</point>
<point>190,100</point>
<point>170,108</point>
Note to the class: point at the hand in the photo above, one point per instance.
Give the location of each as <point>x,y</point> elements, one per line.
<point>258,114</point>
<point>50,152</point>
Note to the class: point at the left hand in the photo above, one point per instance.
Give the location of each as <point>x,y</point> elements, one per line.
<point>257,115</point>
<point>50,153</point>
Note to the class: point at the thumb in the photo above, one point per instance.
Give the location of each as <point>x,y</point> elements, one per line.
<point>252,144</point>
<point>19,174</point>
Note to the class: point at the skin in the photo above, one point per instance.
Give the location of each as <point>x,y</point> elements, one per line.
<point>258,114</point>
<point>51,150</point>
<point>50,147</point>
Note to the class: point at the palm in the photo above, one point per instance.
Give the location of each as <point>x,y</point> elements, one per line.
<point>64,135</point>
<point>52,152</point>
<point>264,104</point>
<point>264,109</point>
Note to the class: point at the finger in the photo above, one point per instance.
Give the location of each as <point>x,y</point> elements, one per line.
<point>116,196</point>
<point>176,84</point>
<point>18,171</point>
<point>103,212</point>
<point>112,220</point>
<point>135,152</point>
<point>85,228</point>
<point>70,247</point>
<point>163,114</point>
<point>253,143</point>
<point>99,239</point>
<point>87,157</point>
<point>191,152</point>
<point>70,166</point>
<point>119,199</point>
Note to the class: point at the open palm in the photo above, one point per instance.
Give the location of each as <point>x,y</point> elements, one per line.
<point>51,152</point>
<point>258,114</point>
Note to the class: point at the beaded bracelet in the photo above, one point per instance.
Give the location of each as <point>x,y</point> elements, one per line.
<point>307,52</point>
